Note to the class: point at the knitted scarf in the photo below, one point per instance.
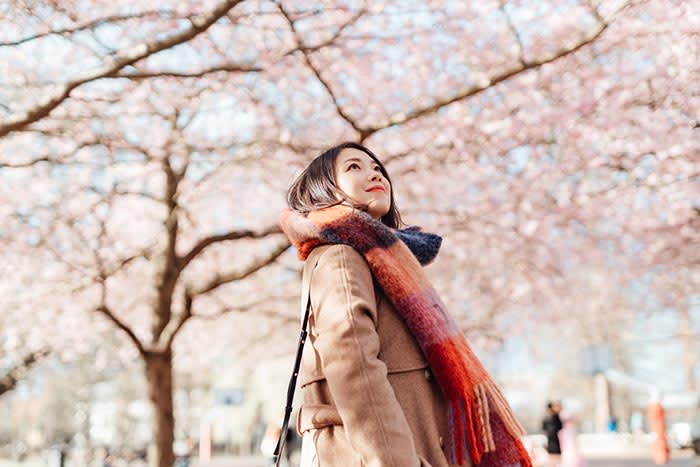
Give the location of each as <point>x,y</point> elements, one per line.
<point>479,418</point>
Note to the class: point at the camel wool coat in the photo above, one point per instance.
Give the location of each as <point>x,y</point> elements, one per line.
<point>370,399</point>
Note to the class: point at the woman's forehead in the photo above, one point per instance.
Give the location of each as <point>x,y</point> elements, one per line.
<point>352,153</point>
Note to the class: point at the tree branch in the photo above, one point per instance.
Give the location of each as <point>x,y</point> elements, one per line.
<point>174,326</point>
<point>270,313</point>
<point>478,88</point>
<point>233,235</point>
<point>24,165</point>
<point>199,24</point>
<point>255,304</point>
<point>167,261</point>
<point>275,314</point>
<point>107,311</point>
<point>514,31</point>
<point>18,372</point>
<point>92,24</point>
<point>331,40</point>
<point>104,308</point>
<point>307,59</point>
<point>255,266</point>
<point>228,67</point>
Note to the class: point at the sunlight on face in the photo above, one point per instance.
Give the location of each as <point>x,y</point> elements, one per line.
<point>360,177</point>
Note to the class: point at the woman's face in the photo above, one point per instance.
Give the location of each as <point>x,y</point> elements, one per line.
<point>359,176</point>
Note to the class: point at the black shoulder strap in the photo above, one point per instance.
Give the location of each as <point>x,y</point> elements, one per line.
<point>295,373</point>
<point>290,389</point>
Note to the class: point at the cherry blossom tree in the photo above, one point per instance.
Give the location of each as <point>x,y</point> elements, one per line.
<point>17,371</point>
<point>145,153</point>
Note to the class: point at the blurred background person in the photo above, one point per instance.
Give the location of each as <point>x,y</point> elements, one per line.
<point>568,441</point>
<point>551,425</point>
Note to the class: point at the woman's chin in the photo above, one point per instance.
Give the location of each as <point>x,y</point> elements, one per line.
<point>377,213</point>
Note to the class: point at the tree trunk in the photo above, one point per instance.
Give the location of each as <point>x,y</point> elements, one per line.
<point>159,374</point>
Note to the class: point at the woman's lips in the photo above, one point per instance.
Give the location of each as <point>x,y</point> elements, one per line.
<point>377,189</point>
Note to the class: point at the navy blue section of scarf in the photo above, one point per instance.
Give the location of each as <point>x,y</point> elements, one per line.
<point>363,232</point>
<point>424,245</point>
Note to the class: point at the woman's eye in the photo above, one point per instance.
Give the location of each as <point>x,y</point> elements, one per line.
<point>377,168</point>
<point>353,165</point>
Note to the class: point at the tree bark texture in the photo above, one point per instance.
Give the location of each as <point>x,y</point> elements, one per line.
<point>159,375</point>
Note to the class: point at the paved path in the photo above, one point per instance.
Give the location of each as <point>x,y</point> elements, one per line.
<point>638,463</point>
<point>260,462</point>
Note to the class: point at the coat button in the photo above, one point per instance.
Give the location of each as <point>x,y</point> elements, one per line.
<point>428,375</point>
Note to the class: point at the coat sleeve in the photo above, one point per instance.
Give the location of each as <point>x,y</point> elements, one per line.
<point>345,337</point>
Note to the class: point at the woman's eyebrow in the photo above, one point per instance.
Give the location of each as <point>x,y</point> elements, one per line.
<point>352,159</point>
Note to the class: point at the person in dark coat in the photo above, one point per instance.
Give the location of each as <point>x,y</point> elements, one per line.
<point>695,435</point>
<point>551,424</point>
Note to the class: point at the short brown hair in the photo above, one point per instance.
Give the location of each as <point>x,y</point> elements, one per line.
<point>316,187</point>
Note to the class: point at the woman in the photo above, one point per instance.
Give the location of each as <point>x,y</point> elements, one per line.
<point>388,379</point>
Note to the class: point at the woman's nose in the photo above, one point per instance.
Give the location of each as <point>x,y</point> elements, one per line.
<point>375,176</point>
